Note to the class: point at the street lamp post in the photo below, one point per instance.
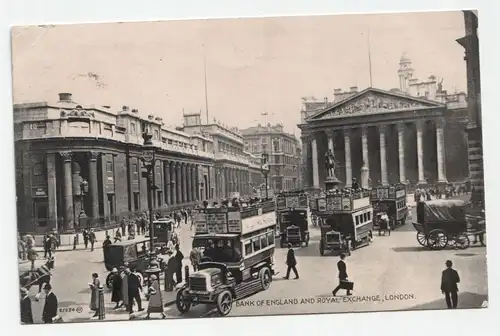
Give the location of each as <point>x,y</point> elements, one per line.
<point>264,168</point>
<point>148,160</point>
<point>82,217</point>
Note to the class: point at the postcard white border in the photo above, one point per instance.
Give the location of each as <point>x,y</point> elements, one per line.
<point>461,322</point>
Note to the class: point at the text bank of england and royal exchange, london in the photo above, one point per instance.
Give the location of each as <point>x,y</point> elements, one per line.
<point>415,134</point>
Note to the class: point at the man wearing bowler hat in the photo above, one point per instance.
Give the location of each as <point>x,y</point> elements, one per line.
<point>449,285</point>
<point>26,312</point>
<point>291,263</point>
<point>343,282</point>
<point>50,307</point>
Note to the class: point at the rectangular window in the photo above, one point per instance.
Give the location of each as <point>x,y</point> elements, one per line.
<point>109,166</point>
<point>263,241</point>
<point>270,238</point>
<point>248,247</point>
<point>256,244</point>
<point>357,220</point>
<point>132,128</point>
<point>369,215</point>
<point>136,202</point>
<point>111,204</point>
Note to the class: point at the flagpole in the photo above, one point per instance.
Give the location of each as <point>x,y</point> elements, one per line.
<point>369,58</point>
<point>206,90</point>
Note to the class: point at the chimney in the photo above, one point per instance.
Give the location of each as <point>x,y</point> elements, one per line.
<point>135,111</point>
<point>125,108</point>
<point>337,91</point>
<point>65,97</point>
<point>354,89</point>
<point>326,101</point>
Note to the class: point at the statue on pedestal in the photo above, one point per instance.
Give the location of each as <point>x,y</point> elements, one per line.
<point>330,164</point>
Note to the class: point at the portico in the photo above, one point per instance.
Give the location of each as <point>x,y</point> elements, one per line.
<point>399,138</point>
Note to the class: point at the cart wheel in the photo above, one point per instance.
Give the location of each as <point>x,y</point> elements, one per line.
<point>437,240</point>
<point>321,248</point>
<point>182,301</point>
<point>265,278</point>
<point>109,280</point>
<point>462,241</point>
<point>224,302</point>
<point>422,240</point>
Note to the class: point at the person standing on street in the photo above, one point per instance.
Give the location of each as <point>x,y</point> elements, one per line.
<point>155,298</point>
<point>116,288</point>
<point>124,277</point>
<point>51,305</point>
<point>342,267</point>
<point>134,289</point>
<point>85,235</point>
<point>195,257</point>
<point>92,239</point>
<point>94,294</point>
<point>47,246</point>
<point>178,258</point>
<point>291,263</point>
<point>26,312</point>
<point>449,285</point>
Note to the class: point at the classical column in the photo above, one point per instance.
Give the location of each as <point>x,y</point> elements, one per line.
<point>178,182</point>
<point>166,168</point>
<point>383,155</point>
<point>331,136</point>
<point>401,151</point>
<point>188,182</point>
<point>173,182</point>
<point>68,190</point>
<point>314,150</point>
<point>348,165</point>
<point>440,150</point>
<point>193,183</point>
<point>305,147</point>
<point>197,178</point>
<point>364,145</point>
<point>93,185</point>
<point>52,190</point>
<point>184,183</point>
<point>420,152</point>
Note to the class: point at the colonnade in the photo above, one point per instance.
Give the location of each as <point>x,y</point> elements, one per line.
<point>231,180</point>
<point>382,131</point>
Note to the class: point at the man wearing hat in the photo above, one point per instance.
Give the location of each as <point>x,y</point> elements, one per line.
<point>26,312</point>
<point>449,285</point>
<point>124,276</point>
<point>116,287</point>
<point>50,307</point>
<point>291,262</point>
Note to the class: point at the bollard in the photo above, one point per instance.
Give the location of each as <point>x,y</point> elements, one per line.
<point>102,307</point>
<point>186,274</point>
<point>169,287</point>
<point>75,241</point>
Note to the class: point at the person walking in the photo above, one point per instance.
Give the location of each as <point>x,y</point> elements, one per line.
<point>195,257</point>
<point>449,285</point>
<point>26,312</point>
<point>92,239</point>
<point>94,294</point>
<point>134,289</point>
<point>124,277</point>
<point>343,281</point>
<point>291,263</point>
<point>116,288</point>
<point>178,258</point>
<point>47,246</point>
<point>155,298</point>
<point>50,306</point>
<point>85,235</point>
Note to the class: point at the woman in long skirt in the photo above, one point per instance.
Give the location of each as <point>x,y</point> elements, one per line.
<point>124,288</point>
<point>94,294</point>
<point>116,295</point>
<point>155,297</point>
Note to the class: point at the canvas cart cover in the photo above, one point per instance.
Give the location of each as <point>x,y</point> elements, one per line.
<point>442,210</point>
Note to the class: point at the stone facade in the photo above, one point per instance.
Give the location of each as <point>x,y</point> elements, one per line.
<point>399,137</point>
<point>284,154</point>
<point>71,157</point>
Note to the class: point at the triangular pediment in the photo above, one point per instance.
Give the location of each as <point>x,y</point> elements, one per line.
<point>373,101</point>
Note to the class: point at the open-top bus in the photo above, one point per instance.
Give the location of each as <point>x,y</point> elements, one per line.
<point>291,217</point>
<point>237,258</point>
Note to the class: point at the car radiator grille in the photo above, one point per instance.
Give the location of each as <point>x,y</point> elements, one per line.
<point>198,284</point>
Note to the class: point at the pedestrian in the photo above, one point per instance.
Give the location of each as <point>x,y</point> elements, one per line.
<point>47,246</point>
<point>116,288</point>
<point>94,294</point>
<point>122,227</point>
<point>106,241</point>
<point>32,255</point>
<point>124,277</point>
<point>195,257</point>
<point>50,307</point>
<point>21,244</point>
<point>85,235</point>
<point>291,263</point>
<point>134,291</point>
<point>26,312</point>
<point>343,281</point>
<point>92,239</point>
<point>155,298</point>
<point>143,225</point>
<point>449,285</point>
<point>118,236</point>
<point>178,258</point>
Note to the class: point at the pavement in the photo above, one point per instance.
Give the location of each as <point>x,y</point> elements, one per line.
<point>393,273</point>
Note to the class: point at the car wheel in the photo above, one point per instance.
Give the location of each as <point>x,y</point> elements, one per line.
<point>224,302</point>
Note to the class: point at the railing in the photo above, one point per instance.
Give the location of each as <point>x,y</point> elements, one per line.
<point>253,210</point>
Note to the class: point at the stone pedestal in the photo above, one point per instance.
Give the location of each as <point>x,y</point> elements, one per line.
<point>332,182</point>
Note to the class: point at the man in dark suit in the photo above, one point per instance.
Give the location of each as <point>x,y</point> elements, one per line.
<point>291,263</point>
<point>342,267</point>
<point>449,287</point>
<point>26,312</point>
<point>134,288</point>
<point>50,307</point>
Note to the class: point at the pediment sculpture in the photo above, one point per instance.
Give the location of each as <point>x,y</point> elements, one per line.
<point>77,112</point>
<point>371,104</point>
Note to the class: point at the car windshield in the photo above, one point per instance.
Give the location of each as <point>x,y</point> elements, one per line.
<point>220,250</point>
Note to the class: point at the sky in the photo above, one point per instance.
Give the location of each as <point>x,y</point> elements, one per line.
<point>254,65</point>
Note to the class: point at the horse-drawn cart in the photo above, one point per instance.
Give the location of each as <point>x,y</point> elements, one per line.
<point>442,223</point>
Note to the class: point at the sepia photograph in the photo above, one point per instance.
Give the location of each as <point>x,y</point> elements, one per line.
<point>249,167</point>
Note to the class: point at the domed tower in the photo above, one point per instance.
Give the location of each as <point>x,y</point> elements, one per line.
<point>405,73</point>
